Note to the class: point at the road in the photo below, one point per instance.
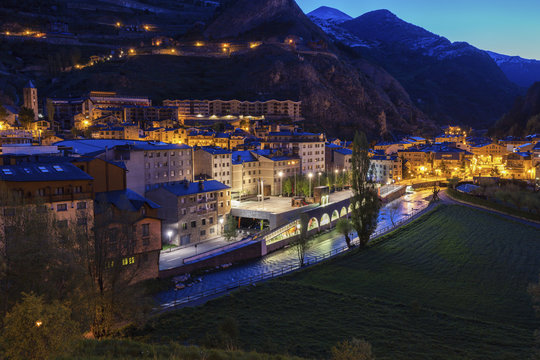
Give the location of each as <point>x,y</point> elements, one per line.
<point>275,261</point>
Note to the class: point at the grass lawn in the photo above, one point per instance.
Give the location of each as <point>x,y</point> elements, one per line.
<point>451,285</point>
<point>492,205</point>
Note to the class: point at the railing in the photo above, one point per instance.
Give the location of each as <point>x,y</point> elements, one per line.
<point>281,271</point>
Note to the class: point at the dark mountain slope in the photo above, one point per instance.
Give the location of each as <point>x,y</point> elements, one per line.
<point>451,82</point>
<point>524,118</point>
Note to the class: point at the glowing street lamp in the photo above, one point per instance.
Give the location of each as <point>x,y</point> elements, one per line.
<point>169,235</point>
<point>281,183</point>
<point>310,175</point>
<point>39,323</point>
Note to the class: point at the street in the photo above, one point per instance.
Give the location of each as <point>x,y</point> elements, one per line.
<point>275,261</point>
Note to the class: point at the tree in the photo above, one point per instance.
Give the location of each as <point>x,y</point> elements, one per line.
<point>353,349</point>
<point>301,244</point>
<point>393,210</point>
<point>365,201</point>
<point>344,227</point>
<point>36,330</point>
<point>26,117</point>
<point>435,195</point>
<point>230,229</point>
<point>107,253</point>
<point>287,186</point>
<point>50,111</point>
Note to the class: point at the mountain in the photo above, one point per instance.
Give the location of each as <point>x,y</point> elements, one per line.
<point>524,117</point>
<point>451,82</point>
<point>339,94</point>
<point>523,72</point>
<point>329,14</point>
<point>262,19</point>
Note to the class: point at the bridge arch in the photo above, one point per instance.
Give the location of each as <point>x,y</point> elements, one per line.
<point>344,212</point>
<point>313,224</point>
<point>325,220</point>
<point>335,216</point>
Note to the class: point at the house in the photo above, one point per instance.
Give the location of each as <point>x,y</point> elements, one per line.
<point>385,169</point>
<point>191,211</point>
<point>213,163</point>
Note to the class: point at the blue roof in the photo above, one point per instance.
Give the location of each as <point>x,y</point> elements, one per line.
<point>30,85</point>
<point>190,188</point>
<point>240,157</point>
<point>537,146</point>
<point>344,151</point>
<point>332,146</point>
<point>215,150</point>
<point>88,146</point>
<point>383,157</point>
<point>46,171</point>
<point>125,200</point>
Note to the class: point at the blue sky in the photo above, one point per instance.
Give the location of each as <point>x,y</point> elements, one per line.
<point>509,27</point>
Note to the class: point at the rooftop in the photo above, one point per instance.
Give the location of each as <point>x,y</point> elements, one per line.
<point>184,188</point>
<point>30,172</point>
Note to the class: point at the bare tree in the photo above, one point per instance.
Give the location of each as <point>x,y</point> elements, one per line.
<point>344,227</point>
<point>393,210</point>
<point>301,244</point>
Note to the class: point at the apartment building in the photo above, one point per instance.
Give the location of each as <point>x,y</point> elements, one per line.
<point>192,211</point>
<point>147,162</point>
<point>418,161</point>
<point>61,187</point>
<point>337,158</point>
<point>385,169</point>
<point>213,163</point>
<point>309,147</point>
<point>269,108</point>
<point>121,132</point>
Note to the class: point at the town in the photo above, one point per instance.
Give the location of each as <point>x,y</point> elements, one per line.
<point>190,165</point>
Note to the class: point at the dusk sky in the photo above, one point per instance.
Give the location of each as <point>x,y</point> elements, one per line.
<point>507,27</point>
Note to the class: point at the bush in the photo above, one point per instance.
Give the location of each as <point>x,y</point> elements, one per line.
<point>352,350</point>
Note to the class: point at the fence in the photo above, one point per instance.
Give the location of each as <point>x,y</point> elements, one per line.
<point>281,271</point>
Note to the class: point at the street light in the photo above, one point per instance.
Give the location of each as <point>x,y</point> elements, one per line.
<point>319,175</point>
<point>310,175</point>
<point>280,183</point>
<point>39,323</point>
<point>169,234</point>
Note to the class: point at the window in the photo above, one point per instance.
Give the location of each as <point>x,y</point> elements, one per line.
<point>81,205</point>
<point>211,220</point>
<point>59,191</point>
<point>58,168</point>
<point>194,224</point>
<point>184,226</point>
<point>77,189</point>
<point>203,222</point>
<point>61,207</point>
<point>203,232</point>
<point>82,220</point>
<point>43,169</point>
<point>7,171</point>
<point>128,261</point>
<point>145,229</point>
<point>212,230</point>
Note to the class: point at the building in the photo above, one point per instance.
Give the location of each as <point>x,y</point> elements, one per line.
<point>269,108</point>
<point>309,147</point>
<point>61,187</point>
<point>120,132</point>
<point>136,247</point>
<point>386,169</point>
<point>30,98</point>
<point>245,174</point>
<point>147,163</point>
<point>274,168</point>
<point>64,110</point>
<point>192,211</point>
<point>337,158</point>
<point>519,166</point>
<point>213,163</point>
<point>146,115</point>
<point>418,161</point>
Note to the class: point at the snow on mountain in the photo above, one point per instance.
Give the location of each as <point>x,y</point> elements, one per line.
<point>329,20</point>
<point>523,72</point>
<point>328,13</point>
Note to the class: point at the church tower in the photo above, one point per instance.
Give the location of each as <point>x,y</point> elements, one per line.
<point>30,98</point>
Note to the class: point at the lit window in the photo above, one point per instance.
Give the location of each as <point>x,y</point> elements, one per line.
<point>58,168</point>
<point>7,171</point>
<point>43,169</point>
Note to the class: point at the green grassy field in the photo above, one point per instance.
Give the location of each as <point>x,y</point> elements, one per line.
<point>451,285</point>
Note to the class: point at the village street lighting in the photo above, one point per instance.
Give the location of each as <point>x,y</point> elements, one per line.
<point>280,183</point>
<point>310,175</point>
<point>169,235</point>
